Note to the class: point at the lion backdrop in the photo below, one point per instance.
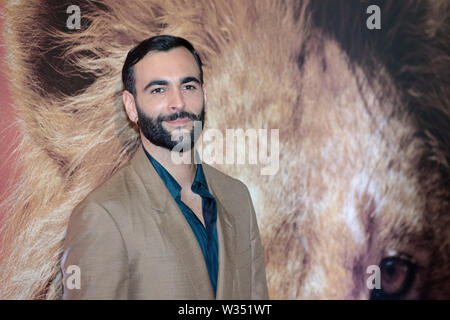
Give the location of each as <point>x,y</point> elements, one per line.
<point>363,118</point>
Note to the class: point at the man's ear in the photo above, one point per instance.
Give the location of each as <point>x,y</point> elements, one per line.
<point>204,92</point>
<point>130,106</point>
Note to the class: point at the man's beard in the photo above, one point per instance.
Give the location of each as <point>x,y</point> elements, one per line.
<point>154,131</point>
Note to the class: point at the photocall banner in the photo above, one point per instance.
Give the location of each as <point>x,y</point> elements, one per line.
<point>335,114</point>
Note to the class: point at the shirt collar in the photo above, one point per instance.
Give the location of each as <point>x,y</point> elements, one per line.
<point>199,184</point>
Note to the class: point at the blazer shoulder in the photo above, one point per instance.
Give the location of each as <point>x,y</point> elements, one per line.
<point>114,191</point>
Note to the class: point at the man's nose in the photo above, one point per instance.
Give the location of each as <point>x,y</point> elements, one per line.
<point>177,101</point>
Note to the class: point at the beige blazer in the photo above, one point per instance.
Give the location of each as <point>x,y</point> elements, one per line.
<point>129,240</point>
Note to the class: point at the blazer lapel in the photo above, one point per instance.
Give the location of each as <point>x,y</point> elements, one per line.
<point>226,237</point>
<point>174,225</point>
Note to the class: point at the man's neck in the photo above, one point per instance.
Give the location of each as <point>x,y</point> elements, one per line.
<point>183,173</point>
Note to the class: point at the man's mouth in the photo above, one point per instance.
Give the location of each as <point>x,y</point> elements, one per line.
<point>179,121</point>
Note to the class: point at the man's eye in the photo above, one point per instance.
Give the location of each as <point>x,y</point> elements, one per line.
<point>189,87</point>
<point>157,90</point>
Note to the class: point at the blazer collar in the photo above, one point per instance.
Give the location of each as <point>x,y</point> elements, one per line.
<point>226,234</point>
<point>156,190</point>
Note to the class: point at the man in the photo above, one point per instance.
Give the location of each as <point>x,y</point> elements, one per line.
<point>160,229</point>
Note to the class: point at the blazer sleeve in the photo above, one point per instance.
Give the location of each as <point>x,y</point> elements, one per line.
<point>259,281</point>
<point>95,259</point>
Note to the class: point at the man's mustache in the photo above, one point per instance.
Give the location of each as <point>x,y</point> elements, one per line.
<point>180,114</point>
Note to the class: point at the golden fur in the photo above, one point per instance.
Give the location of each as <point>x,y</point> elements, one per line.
<point>363,141</point>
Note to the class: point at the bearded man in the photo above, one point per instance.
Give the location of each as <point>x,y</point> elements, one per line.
<point>161,229</point>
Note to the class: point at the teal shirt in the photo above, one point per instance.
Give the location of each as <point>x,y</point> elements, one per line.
<point>206,235</point>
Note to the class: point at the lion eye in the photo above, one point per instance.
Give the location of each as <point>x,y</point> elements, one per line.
<point>397,276</point>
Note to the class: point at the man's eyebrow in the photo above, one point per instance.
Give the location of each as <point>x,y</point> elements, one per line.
<point>156,83</point>
<point>189,79</point>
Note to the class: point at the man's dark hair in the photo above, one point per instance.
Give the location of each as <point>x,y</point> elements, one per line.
<point>157,43</point>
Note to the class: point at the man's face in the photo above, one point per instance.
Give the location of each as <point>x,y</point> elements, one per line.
<point>169,98</point>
